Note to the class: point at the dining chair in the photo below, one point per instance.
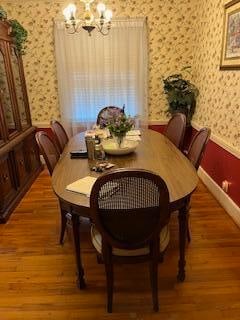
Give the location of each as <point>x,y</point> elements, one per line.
<point>197,146</point>
<point>175,130</point>
<point>51,156</point>
<point>130,214</point>
<point>195,154</point>
<point>106,114</point>
<point>60,134</point>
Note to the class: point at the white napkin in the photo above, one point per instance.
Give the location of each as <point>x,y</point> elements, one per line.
<point>134,132</point>
<point>83,185</point>
<point>90,133</point>
<point>133,138</point>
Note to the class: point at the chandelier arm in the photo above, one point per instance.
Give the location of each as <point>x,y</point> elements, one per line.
<point>100,28</point>
<point>75,28</point>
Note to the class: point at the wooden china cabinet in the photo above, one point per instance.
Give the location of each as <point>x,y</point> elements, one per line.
<point>19,154</point>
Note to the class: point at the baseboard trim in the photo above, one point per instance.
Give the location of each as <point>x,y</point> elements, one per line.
<point>226,202</point>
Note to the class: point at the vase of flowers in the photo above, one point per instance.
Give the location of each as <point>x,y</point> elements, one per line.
<point>118,126</point>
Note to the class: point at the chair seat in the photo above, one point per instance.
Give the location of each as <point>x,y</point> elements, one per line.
<point>97,242</point>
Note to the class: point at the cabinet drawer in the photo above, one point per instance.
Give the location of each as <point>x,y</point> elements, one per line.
<point>32,154</point>
<point>7,183</point>
<point>21,164</point>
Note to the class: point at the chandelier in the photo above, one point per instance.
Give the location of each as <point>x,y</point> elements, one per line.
<point>88,22</point>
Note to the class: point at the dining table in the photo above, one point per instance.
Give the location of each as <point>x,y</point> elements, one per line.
<point>156,153</point>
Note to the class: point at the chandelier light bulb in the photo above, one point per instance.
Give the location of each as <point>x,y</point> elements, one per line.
<point>67,14</point>
<point>108,15</point>
<point>70,11</point>
<point>101,8</point>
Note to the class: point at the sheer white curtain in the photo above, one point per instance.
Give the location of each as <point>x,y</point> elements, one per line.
<point>98,71</point>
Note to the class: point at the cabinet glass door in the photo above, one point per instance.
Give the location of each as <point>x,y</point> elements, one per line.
<point>5,98</point>
<point>19,89</point>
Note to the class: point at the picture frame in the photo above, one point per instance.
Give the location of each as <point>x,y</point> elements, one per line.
<point>230,55</point>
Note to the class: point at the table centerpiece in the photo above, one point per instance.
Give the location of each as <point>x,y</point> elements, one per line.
<point>118,126</point>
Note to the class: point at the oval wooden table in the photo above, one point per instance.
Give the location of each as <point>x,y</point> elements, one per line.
<point>156,153</point>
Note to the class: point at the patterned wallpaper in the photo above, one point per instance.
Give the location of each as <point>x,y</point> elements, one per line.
<point>218,104</point>
<point>181,32</point>
<point>170,46</point>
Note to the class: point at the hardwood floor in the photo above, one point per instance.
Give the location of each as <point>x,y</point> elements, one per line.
<point>37,275</point>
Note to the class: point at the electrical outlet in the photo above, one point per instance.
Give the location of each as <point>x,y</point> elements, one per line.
<point>225,186</point>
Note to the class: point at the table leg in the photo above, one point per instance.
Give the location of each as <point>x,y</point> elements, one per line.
<point>63,224</point>
<point>182,218</point>
<point>76,239</point>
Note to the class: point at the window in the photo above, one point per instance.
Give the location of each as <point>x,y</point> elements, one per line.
<point>98,71</point>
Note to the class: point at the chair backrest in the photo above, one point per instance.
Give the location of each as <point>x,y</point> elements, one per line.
<point>107,113</point>
<point>129,207</point>
<point>175,130</point>
<point>198,146</point>
<point>60,134</point>
<point>48,149</point>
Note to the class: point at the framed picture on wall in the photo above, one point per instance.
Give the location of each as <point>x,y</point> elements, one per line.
<point>230,57</point>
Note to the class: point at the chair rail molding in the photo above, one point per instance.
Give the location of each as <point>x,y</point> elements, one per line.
<point>219,141</point>
<point>162,122</point>
<point>41,124</point>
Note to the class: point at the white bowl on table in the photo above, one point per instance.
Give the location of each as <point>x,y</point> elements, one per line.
<point>110,146</point>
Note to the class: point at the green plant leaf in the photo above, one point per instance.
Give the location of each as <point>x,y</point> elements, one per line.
<point>181,94</point>
<point>19,33</point>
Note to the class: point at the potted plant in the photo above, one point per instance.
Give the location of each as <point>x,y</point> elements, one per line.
<point>18,32</point>
<point>20,35</point>
<point>3,14</point>
<point>181,94</point>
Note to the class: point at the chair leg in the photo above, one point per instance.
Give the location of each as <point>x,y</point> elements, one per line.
<point>188,231</point>
<point>99,259</point>
<point>188,224</point>
<point>109,278</point>
<point>161,257</point>
<point>153,268</point>
<point>63,225</point>
<point>77,248</point>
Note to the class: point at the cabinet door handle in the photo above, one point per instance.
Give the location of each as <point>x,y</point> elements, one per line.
<point>21,162</point>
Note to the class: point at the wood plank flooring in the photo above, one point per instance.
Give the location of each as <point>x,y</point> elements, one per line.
<point>37,275</point>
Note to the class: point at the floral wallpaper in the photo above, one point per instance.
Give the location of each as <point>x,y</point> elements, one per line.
<point>181,32</point>
<point>170,46</point>
<point>218,104</point>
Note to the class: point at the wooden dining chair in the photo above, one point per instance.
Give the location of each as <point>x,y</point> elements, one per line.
<point>197,146</point>
<point>60,134</point>
<point>106,113</point>
<point>51,155</point>
<point>195,154</point>
<point>175,130</point>
<point>130,214</point>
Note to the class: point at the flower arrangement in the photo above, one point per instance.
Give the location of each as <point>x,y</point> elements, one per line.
<point>119,124</point>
